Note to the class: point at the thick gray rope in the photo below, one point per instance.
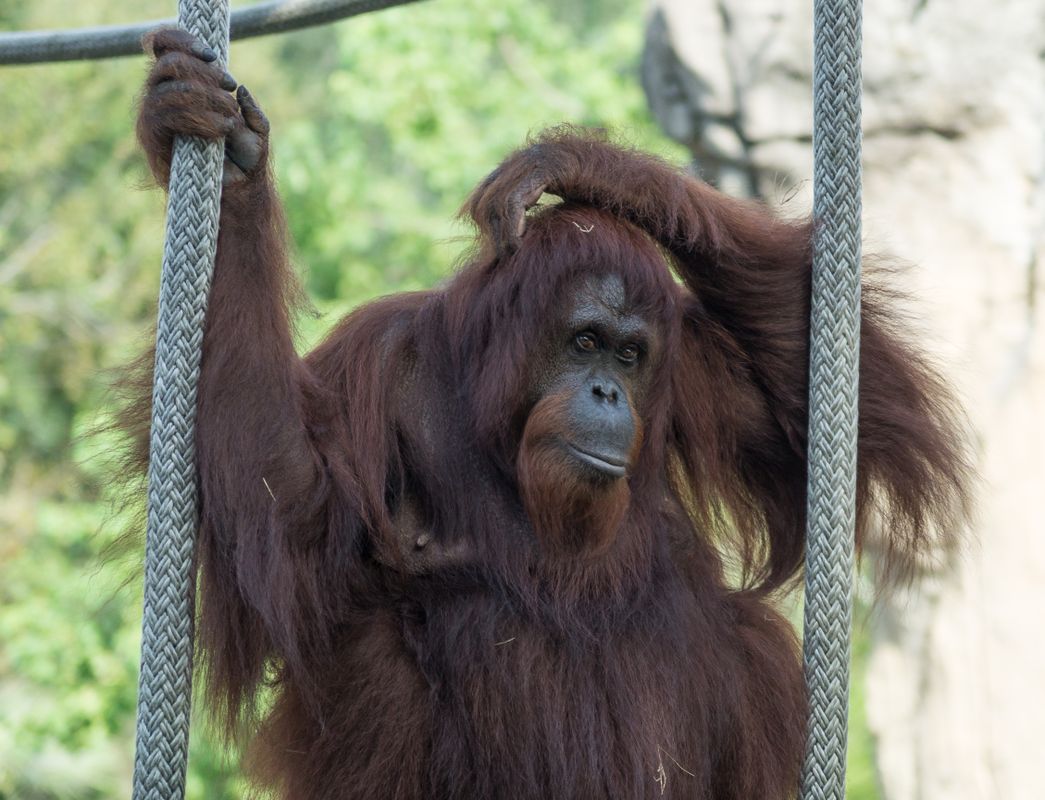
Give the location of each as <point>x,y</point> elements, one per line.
<point>833,385</point>
<point>165,685</point>
<point>31,47</point>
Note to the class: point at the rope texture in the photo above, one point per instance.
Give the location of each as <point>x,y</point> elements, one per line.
<point>33,47</point>
<point>167,636</point>
<point>833,391</point>
<point>165,683</point>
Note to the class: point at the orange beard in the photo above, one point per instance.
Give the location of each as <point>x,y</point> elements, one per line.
<point>571,509</point>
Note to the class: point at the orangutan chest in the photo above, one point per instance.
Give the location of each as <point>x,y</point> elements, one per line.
<point>537,715</point>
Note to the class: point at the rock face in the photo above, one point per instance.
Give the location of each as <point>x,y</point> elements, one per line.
<point>954,158</point>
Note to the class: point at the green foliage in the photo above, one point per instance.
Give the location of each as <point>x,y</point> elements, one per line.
<point>382,125</point>
<point>415,106</point>
<point>861,778</point>
<point>69,664</point>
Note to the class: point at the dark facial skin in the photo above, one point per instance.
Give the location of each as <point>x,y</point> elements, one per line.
<point>599,355</point>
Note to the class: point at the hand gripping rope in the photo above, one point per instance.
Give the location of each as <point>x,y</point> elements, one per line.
<point>165,687</point>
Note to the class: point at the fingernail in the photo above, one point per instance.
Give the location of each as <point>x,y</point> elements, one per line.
<point>228,83</point>
<point>204,52</point>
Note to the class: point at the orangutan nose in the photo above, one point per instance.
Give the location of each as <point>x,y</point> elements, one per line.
<point>606,390</point>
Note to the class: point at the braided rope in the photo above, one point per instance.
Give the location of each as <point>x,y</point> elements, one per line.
<point>165,684</point>
<point>833,386</point>
<point>33,47</point>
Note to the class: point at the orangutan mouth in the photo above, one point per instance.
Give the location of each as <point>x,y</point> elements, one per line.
<point>612,465</point>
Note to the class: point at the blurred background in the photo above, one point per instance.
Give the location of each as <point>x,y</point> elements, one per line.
<point>382,124</point>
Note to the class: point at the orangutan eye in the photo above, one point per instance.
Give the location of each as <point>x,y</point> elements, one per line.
<point>629,353</point>
<point>586,342</point>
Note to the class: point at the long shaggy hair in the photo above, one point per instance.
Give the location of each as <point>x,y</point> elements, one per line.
<point>441,608</point>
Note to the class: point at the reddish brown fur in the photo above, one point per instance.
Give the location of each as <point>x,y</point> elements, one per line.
<point>568,516</point>
<point>508,665</point>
